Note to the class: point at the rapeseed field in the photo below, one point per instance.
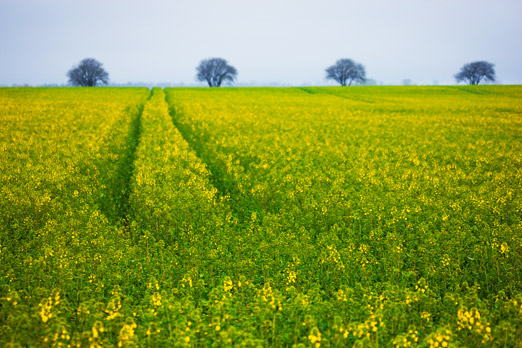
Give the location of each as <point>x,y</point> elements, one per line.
<point>261,217</point>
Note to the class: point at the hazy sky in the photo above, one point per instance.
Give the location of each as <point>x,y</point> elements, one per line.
<point>284,41</point>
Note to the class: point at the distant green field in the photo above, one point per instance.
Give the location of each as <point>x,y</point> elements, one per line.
<point>261,217</point>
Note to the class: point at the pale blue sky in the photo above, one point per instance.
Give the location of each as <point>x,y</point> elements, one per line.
<point>283,41</point>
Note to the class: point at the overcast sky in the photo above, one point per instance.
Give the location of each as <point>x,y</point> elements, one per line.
<point>268,41</point>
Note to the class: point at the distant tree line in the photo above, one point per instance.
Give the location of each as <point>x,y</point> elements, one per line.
<point>216,71</point>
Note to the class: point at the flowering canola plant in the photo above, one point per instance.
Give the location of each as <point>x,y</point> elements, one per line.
<point>305,217</point>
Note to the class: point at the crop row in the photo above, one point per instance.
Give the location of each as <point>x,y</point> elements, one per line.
<point>64,178</point>
<point>401,193</point>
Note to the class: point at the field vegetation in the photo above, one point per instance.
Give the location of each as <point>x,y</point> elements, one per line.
<point>260,217</point>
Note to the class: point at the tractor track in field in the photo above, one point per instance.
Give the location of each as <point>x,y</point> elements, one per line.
<point>127,164</point>
<point>323,92</point>
<point>216,180</point>
<point>225,186</point>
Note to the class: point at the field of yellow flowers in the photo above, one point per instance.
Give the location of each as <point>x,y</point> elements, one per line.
<point>261,217</point>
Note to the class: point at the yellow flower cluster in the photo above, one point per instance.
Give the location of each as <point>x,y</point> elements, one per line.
<point>421,286</point>
<point>227,284</point>
<point>367,329</point>
<point>439,339</point>
<point>126,337</point>
<point>315,337</point>
<point>47,305</point>
<point>267,295</point>
<point>471,321</point>
<point>156,299</point>
<point>292,276</point>
<point>409,339</point>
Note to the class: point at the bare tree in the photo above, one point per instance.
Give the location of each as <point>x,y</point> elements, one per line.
<point>88,73</point>
<point>346,71</point>
<point>215,71</point>
<point>473,73</point>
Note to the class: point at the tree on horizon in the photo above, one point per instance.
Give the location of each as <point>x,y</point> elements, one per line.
<point>346,71</point>
<point>88,73</point>
<point>473,73</point>
<point>215,71</point>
